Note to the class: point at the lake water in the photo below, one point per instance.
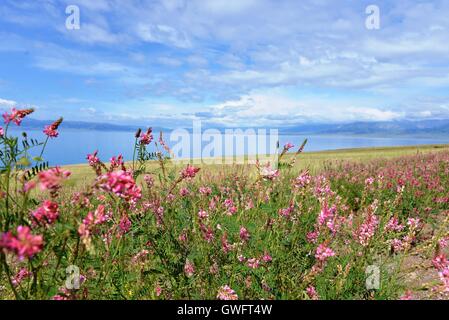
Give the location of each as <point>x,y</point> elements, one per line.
<point>72,146</point>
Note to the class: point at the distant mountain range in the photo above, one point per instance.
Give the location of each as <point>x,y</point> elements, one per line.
<point>384,128</point>
<point>83,125</point>
<point>376,128</point>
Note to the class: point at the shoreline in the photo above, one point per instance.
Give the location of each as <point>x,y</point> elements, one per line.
<point>321,152</point>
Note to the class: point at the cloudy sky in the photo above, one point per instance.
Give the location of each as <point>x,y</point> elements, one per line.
<point>227,62</point>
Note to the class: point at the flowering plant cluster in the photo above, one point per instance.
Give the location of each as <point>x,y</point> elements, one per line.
<point>151,229</point>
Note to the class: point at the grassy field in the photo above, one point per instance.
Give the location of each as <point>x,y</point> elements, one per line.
<point>314,161</point>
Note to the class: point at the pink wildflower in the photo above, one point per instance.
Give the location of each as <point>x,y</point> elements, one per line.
<point>212,204</point>
<point>244,234</point>
<point>440,262</point>
<point>444,277</point>
<point>51,179</point>
<point>225,244</point>
<point>288,146</point>
<point>266,257</point>
<point>231,208</point>
<point>91,220</point>
<point>183,237</point>
<point>397,245</point>
<point>140,256</point>
<point>189,268</point>
<point>228,203</point>
<point>413,223</point>
<point>117,162</point>
<point>226,293</point>
<point>285,212</point>
<point>189,172</point>
<point>407,296</point>
<point>208,233</point>
<point>158,290</point>
<point>22,274</point>
<point>393,225</point>
<point>366,231</point>
<point>268,173</point>
<point>16,116</point>
<point>311,293</point>
<point>122,184</point>
<point>443,243</point>
<point>47,213</point>
<point>24,244</point>
<point>184,192</point>
<point>149,180</point>
<point>312,236</point>
<point>323,253</point>
<point>205,191</point>
<point>249,204</point>
<point>125,224</point>
<point>253,263</point>
<point>326,214</point>
<point>52,130</point>
<point>146,138</point>
<point>159,213</point>
<point>202,214</point>
<point>302,180</point>
<point>93,159</point>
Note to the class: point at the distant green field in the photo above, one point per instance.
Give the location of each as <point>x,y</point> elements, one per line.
<point>314,161</point>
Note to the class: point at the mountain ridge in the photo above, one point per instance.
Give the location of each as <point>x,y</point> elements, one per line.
<point>396,127</point>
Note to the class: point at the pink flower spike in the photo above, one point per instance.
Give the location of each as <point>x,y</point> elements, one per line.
<point>189,269</point>
<point>311,293</point>
<point>323,253</point>
<point>16,116</point>
<point>50,132</point>
<point>47,213</point>
<point>244,234</point>
<point>24,244</point>
<point>203,214</point>
<point>93,159</point>
<point>288,146</point>
<point>226,293</point>
<point>124,225</point>
<point>51,179</point>
<point>146,138</point>
<point>189,172</point>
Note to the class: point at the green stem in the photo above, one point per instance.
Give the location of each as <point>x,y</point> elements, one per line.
<point>43,147</point>
<point>134,153</point>
<point>8,275</point>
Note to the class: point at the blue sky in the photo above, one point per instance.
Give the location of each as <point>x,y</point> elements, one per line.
<point>226,62</point>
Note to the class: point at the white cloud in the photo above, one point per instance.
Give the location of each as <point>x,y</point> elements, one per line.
<point>225,7</point>
<point>94,34</point>
<point>89,110</point>
<point>277,109</point>
<point>164,34</point>
<point>7,103</point>
<point>97,5</point>
<point>197,60</point>
<point>171,62</point>
<point>235,48</point>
